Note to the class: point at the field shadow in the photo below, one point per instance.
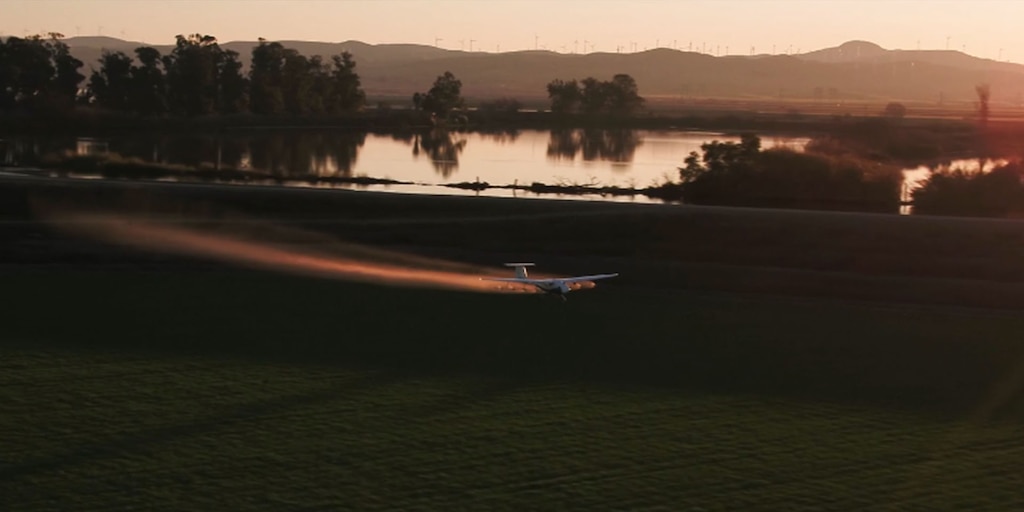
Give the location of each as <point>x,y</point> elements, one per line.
<point>942,361</point>
<point>154,437</point>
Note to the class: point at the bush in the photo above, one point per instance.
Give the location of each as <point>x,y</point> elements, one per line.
<point>957,191</point>
<point>741,174</point>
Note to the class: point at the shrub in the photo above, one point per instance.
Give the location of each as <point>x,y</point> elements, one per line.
<point>957,191</point>
<point>742,174</point>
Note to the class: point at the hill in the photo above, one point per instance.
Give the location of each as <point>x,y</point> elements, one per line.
<point>856,70</point>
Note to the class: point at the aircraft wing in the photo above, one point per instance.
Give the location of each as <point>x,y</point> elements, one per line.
<point>575,279</point>
<point>518,280</point>
<point>586,278</point>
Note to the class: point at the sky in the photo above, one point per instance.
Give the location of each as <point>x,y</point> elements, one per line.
<point>984,28</point>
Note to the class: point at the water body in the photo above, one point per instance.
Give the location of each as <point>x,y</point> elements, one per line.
<point>427,159</point>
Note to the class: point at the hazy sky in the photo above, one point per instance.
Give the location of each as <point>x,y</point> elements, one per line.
<point>985,28</point>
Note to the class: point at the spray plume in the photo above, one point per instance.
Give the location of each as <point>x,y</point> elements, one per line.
<point>343,261</point>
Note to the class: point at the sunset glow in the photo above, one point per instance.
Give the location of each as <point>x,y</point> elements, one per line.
<point>987,29</point>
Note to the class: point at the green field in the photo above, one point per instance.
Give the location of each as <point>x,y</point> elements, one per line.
<point>206,389</point>
<point>744,359</point>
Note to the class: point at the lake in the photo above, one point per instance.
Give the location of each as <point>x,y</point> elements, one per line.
<point>426,159</point>
<point>429,160</point>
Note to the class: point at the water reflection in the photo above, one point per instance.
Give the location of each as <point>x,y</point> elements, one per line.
<point>424,156</point>
<point>297,154</point>
<point>617,146</point>
<point>292,154</point>
<point>442,147</point>
<point>28,152</point>
<point>500,136</point>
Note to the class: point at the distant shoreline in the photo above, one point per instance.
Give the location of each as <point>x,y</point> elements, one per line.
<point>84,121</point>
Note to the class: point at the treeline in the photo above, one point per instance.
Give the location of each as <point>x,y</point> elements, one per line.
<point>976,193</point>
<point>200,78</point>
<point>591,96</point>
<point>742,174</point>
<point>197,78</point>
<point>38,74</point>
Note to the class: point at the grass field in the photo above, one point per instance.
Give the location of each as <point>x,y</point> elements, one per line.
<point>211,389</point>
<point>158,383</point>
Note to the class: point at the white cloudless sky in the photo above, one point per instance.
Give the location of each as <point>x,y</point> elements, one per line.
<point>991,29</point>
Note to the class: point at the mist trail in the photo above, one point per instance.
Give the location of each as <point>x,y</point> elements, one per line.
<point>355,262</point>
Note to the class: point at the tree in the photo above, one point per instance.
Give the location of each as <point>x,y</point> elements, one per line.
<point>38,73</point>
<point>192,75</point>
<point>284,81</point>
<point>622,95</point>
<point>232,87</point>
<point>593,95</point>
<point>619,96</point>
<point>202,78</point>
<point>296,82</point>
<point>111,87</point>
<point>63,88</point>
<point>565,96</point>
<point>720,157</point>
<point>984,93</point>
<point>895,110</point>
<point>346,92</point>
<point>265,78</point>
<point>444,96</point>
<point>148,83</point>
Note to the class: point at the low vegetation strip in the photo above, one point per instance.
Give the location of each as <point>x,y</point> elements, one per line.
<point>118,167</point>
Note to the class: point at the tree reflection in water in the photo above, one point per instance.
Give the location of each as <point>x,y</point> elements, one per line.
<point>615,145</point>
<point>442,147</point>
<point>292,154</point>
<point>306,154</point>
<point>500,135</point>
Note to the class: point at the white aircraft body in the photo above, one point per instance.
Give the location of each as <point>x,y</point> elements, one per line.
<point>557,285</point>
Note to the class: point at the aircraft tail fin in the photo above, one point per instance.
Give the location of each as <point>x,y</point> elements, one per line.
<point>520,269</point>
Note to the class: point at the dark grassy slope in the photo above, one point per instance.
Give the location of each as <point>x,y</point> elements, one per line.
<point>213,389</point>
<point>974,262</point>
<point>129,380</point>
<point>932,360</point>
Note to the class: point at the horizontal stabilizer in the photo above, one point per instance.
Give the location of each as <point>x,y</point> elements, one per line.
<point>520,269</point>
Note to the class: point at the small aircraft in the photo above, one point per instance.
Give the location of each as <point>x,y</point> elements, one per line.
<point>556,285</point>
